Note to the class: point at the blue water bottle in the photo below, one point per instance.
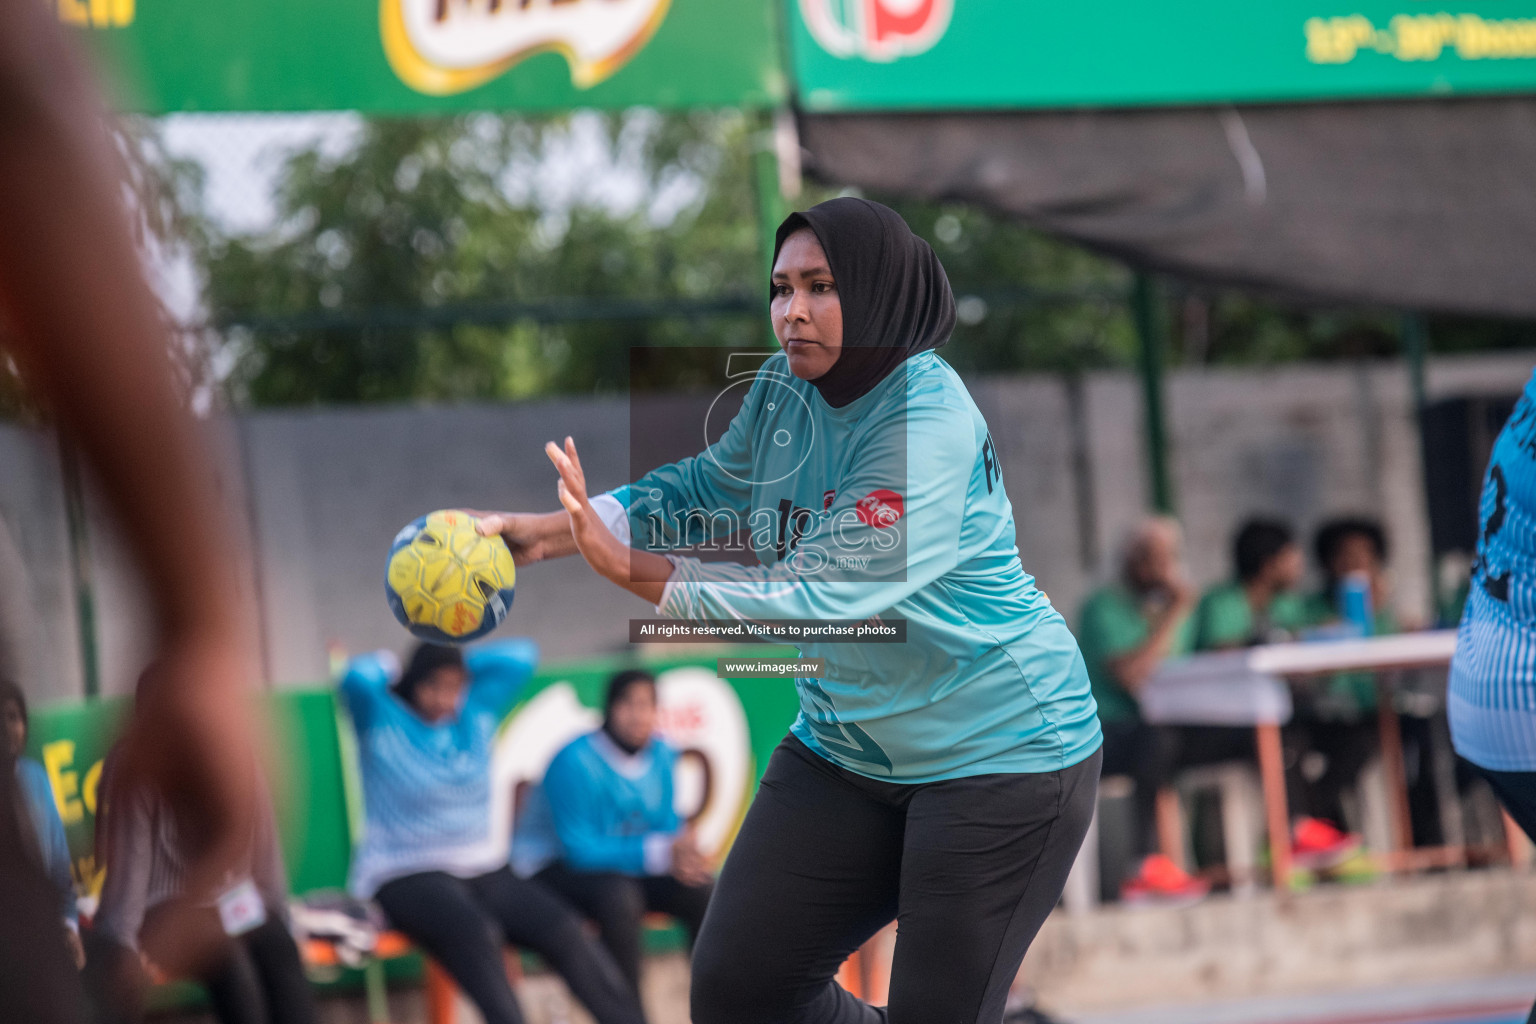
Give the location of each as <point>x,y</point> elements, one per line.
<point>1355,603</point>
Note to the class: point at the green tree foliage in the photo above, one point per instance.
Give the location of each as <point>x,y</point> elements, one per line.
<point>424,260</point>
<point>420,264</point>
<point>1025,301</point>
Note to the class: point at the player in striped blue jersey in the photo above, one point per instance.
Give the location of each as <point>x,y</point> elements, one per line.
<point>1492,701</point>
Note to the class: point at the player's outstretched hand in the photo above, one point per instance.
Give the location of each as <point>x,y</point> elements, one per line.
<point>597,544</point>
<point>76,947</point>
<point>639,572</point>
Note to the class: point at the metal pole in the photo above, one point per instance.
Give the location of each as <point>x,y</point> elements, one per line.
<point>1416,351</point>
<point>80,566</point>
<point>1147,308</point>
<point>765,181</point>
<point>776,180</point>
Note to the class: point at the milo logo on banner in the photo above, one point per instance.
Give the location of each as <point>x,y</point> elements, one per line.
<point>447,46</point>
<point>880,30</point>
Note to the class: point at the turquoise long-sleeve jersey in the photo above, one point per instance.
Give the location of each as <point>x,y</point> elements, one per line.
<point>892,506</point>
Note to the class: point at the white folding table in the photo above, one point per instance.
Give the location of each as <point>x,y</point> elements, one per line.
<point>1249,687</point>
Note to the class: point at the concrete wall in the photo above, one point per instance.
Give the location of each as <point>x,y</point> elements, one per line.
<point>39,629</point>
<point>321,493</point>
<point>329,491</point>
<point>1412,930</point>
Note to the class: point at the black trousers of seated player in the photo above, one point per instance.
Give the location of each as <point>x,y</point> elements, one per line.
<point>968,868</point>
<point>464,922</point>
<point>618,905</point>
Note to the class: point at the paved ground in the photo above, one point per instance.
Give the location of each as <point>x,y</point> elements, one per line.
<point>1500,1000</point>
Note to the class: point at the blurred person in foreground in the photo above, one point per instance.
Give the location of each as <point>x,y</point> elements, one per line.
<point>253,972</point>
<point>51,846</point>
<point>1492,698</point>
<point>85,332</point>
<point>429,854</point>
<point>602,830</point>
<point>1126,630</point>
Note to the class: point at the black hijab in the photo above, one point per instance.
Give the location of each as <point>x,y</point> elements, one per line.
<point>426,659</point>
<point>896,300</point>
<point>619,685</point>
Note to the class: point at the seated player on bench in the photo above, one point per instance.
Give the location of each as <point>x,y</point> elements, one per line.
<point>428,856</point>
<point>603,831</point>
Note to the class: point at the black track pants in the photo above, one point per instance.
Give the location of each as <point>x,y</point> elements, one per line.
<point>618,905</point>
<point>968,868</point>
<point>255,978</point>
<point>463,923</point>
<point>1517,792</point>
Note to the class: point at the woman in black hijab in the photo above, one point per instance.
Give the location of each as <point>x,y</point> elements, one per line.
<point>945,781</point>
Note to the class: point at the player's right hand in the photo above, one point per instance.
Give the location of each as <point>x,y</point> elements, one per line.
<point>689,865</point>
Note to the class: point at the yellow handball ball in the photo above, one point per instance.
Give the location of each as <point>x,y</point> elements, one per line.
<point>445,582</point>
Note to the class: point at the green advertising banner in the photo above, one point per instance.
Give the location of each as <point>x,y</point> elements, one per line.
<point>432,56</point>
<point>724,729</point>
<point>989,54</point>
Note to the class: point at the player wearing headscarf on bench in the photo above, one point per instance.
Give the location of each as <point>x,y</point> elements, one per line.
<point>602,830</point>
<point>429,854</point>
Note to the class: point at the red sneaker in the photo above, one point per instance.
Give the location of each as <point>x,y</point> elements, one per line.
<point>1319,845</point>
<point>1162,881</point>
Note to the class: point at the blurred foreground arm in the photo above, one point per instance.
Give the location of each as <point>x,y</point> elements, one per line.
<point>86,333</point>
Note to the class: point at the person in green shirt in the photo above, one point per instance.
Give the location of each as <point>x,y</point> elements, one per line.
<point>1126,629</point>
<point>1336,716</point>
<point>1346,547</point>
<point>1260,604</point>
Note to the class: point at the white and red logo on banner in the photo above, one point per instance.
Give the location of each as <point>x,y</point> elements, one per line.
<point>880,30</point>
<point>448,46</point>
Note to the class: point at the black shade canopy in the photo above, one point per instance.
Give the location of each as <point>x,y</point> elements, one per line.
<point>1427,205</point>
